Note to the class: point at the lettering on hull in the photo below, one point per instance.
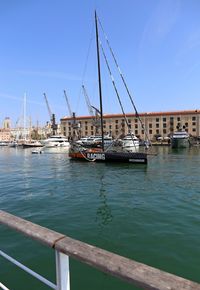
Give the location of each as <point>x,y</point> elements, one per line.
<point>97,156</point>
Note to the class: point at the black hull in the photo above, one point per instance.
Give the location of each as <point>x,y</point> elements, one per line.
<point>111,157</point>
<point>31,146</point>
<point>126,157</point>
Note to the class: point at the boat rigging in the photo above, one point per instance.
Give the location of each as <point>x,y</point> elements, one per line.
<point>101,154</point>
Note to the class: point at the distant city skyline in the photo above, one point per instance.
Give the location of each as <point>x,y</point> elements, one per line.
<point>49,46</point>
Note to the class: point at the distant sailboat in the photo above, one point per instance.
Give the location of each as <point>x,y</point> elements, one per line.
<point>78,152</point>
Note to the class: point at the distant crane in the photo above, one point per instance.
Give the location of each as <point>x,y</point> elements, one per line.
<point>90,108</point>
<point>68,105</point>
<point>94,112</point>
<point>52,116</point>
<point>75,125</point>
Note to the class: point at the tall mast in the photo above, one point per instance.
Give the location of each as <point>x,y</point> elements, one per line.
<point>24,116</point>
<point>99,78</point>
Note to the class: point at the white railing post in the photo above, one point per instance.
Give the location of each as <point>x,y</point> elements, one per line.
<point>62,271</point>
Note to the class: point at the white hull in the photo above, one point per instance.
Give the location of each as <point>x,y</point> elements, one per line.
<point>130,143</point>
<point>56,141</point>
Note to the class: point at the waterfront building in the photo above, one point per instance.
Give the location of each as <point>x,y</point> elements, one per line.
<point>5,135</point>
<point>155,124</point>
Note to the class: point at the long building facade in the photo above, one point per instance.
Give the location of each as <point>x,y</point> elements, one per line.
<point>153,124</point>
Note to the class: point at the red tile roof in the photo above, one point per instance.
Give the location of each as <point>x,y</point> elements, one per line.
<point>168,113</point>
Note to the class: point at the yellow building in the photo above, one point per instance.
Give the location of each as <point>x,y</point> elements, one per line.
<point>154,124</point>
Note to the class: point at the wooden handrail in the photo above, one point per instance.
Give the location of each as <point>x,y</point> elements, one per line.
<point>128,270</point>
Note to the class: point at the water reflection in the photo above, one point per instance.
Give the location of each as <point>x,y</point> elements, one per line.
<point>104,215</point>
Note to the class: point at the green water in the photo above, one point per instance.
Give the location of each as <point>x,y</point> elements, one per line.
<point>150,213</point>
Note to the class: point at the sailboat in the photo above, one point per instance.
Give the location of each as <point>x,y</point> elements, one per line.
<point>77,152</point>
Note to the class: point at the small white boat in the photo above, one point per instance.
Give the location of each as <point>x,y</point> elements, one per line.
<point>3,143</point>
<point>180,138</point>
<point>32,144</point>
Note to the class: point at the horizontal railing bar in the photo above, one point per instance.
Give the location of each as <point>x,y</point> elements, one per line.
<point>3,286</point>
<point>36,232</point>
<point>128,270</point>
<point>26,269</point>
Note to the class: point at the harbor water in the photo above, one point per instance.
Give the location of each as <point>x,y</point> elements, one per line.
<point>149,213</point>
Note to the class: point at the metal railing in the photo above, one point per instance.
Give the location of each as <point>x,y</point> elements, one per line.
<point>138,274</point>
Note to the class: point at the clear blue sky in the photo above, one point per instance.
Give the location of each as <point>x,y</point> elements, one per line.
<point>45,48</point>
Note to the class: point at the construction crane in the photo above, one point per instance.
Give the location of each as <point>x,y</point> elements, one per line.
<point>52,117</point>
<point>90,108</point>
<point>75,125</point>
<point>68,105</point>
<point>94,112</point>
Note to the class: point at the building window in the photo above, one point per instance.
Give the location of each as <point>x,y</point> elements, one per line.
<point>194,130</point>
<point>178,119</point>
<point>136,126</point>
<point>116,121</point>
<point>143,132</point>
<point>92,132</point>
<point>164,125</point>
<point>186,124</point>
<point>150,125</point>
<point>136,120</point>
<point>150,131</point>
<point>157,131</point>
<point>193,123</point>
<point>129,120</point>
<point>157,119</point>
<point>136,132</point>
<point>157,125</point>
<point>86,127</point>
<point>193,118</point>
<point>110,126</point>
<point>85,122</point>
<point>164,131</point>
<point>164,119</point>
<point>116,126</point>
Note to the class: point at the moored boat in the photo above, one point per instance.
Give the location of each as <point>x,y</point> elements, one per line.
<point>94,154</point>
<point>130,143</point>
<point>32,144</point>
<point>180,138</point>
<point>56,141</point>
